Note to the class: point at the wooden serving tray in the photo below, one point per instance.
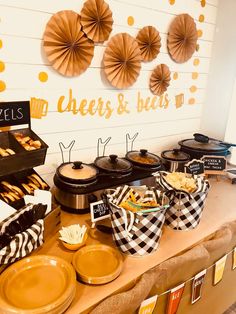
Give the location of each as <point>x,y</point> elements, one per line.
<point>17,113</point>
<point>52,222</point>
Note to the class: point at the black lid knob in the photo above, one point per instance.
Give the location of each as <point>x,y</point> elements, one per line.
<point>113,158</point>
<point>77,165</point>
<point>176,151</point>
<point>143,152</point>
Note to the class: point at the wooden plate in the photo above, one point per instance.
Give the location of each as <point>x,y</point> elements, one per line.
<point>36,285</point>
<point>97,264</point>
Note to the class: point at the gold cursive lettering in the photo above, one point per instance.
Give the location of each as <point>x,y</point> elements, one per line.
<point>122,104</point>
<point>85,107</point>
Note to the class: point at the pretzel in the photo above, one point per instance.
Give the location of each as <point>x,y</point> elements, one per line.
<point>27,188</point>
<point>8,196</point>
<point>3,152</point>
<point>33,180</point>
<point>12,188</point>
<point>10,151</point>
<point>17,190</point>
<point>4,198</point>
<point>39,180</point>
<point>33,186</point>
<point>27,142</point>
<point>26,146</point>
<point>6,185</point>
<point>15,196</point>
<point>37,144</point>
<point>24,140</point>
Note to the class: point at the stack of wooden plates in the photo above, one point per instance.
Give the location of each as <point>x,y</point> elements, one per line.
<point>97,264</point>
<point>37,285</point>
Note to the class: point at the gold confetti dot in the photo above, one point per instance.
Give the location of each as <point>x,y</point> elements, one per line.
<point>201,18</point>
<point>2,86</point>
<point>197,47</point>
<point>43,77</point>
<point>196,62</point>
<point>0,44</point>
<point>194,75</point>
<point>130,20</point>
<point>2,66</point>
<point>191,101</point>
<point>203,3</point>
<point>199,33</point>
<point>172,2</point>
<point>175,76</point>
<point>193,89</point>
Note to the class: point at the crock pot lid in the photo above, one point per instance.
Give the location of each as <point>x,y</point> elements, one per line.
<point>143,157</point>
<point>210,146</point>
<point>113,163</point>
<point>175,155</point>
<point>77,171</point>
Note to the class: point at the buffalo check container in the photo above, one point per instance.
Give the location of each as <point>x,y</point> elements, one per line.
<point>185,209</point>
<point>136,234</point>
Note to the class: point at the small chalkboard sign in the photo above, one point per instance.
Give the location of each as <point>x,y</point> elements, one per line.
<point>214,164</point>
<point>99,211</point>
<point>195,167</point>
<point>14,113</point>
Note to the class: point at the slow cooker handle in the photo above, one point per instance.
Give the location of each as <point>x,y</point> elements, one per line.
<point>205,139</point>
<point>62,146</point>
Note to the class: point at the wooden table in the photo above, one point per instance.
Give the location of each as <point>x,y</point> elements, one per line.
<point>220,208</point>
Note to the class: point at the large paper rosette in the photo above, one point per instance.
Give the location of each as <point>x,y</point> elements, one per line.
<point>96,19</point>
<point>122,60</point>
<point>67,48</point>
<point>182,38</point>
<point>160,79</point>
<point>149,42</point>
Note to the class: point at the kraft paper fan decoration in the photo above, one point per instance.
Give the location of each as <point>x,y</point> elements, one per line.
<point>122,60</point>
<point>160,79</point>
<point>67,48</point>
<point>149,42</point>
<point>182,38</point>
<point>96,19</point>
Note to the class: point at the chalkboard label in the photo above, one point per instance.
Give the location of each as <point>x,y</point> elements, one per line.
<point>214,163</point>
<point>14,113</point>
<point>195,167</point>
<point>99,211</point>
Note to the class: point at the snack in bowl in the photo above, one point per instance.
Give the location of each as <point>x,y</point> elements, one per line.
<point>11,192</point>
<point>136,203</point>
<point>4,152</point>
<point>27,142</point>
<point>181,181</point>
<point>34,183</point>
<point>74,236</point>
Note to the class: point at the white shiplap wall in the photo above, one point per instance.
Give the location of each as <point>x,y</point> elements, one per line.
<point>22,23</point>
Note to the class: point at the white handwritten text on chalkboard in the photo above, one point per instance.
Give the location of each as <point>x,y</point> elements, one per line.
<point>99,211</point>
<point>11,114</point>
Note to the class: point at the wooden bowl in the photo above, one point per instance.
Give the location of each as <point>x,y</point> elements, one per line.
<point>75,247</point>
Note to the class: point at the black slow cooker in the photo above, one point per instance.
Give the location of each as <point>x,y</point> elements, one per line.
<point>197,148</point>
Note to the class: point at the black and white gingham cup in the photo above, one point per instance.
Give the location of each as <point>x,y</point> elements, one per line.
<point>135,234</point>
<point>185,209</point>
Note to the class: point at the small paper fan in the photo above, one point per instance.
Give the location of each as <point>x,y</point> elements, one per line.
<point>160,79</point>
<point>122,60</point>
<point>182,38</point>
<point>96,19</point>
<point>67,48</point>
<point>149,42</point>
